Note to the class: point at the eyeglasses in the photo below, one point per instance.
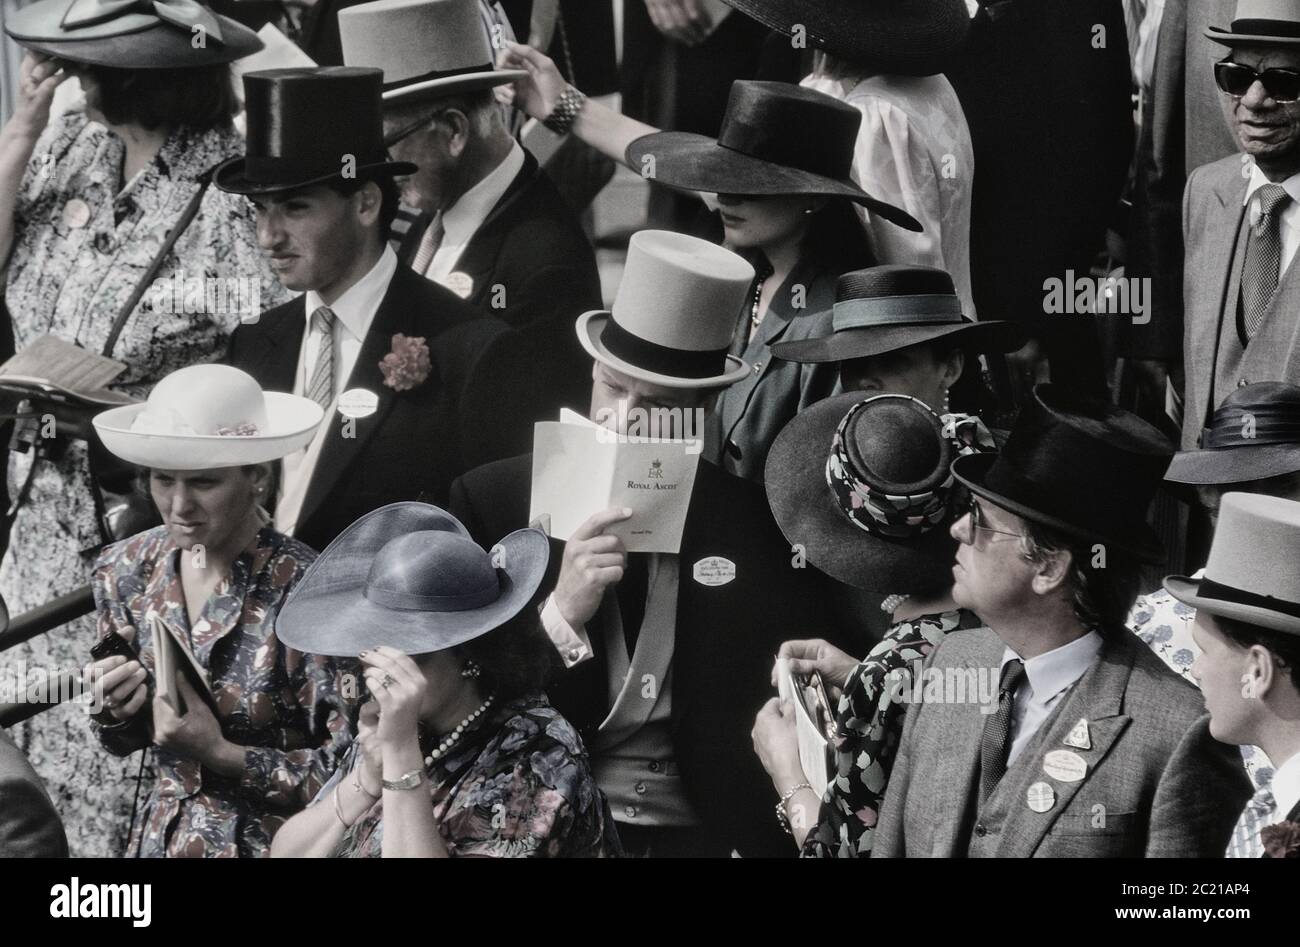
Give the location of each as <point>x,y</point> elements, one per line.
<point>408,130</point>
<point>1282,85</point>
<point>974,519</point>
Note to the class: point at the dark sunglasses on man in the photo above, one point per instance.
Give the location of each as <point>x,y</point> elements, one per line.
<point>1282,85</point>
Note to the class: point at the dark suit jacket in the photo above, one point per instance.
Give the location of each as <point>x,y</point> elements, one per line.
<point>29,825</point>
<point>726,639</point>
<point>1156,784</point>
<point>410,446</point>
<point>532,247</point>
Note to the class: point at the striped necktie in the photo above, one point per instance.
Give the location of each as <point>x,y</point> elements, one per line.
<point>430,241</point>
<point>1262,268</point>
<point>995,745</point>
<point>321,388</point>
<point>1245,837</point>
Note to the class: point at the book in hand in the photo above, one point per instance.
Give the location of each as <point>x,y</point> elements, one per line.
<point>814,723</point>
<point>172,661</point>
<point>581,468</point>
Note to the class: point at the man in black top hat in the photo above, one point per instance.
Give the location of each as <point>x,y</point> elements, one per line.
<point>1094,747</point>
<point>385,352</point>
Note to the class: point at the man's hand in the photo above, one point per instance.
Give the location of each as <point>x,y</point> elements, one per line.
<point>683,20</point>
<point>593,561</point>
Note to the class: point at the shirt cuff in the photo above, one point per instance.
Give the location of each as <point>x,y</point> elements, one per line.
<point>572,643</point>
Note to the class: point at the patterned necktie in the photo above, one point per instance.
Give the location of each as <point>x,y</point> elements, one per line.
<point>429,244</point>
<point>1260,273</point>
<point>321,389</point>
<point>1245,837</point>
<point>995,745</point>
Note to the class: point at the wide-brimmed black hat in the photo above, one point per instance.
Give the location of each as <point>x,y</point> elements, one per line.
<point>1253,435</point>
<point>776,139</point>
<point>903,37</point>
<point>1079,465</point>
<point>884,308</point>
<point>309,126</point>
<point>131,34</point>
<point>409,576</point>
<point>864,486</point>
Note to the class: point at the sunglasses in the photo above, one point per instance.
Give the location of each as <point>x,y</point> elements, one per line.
<point>1282,85</point>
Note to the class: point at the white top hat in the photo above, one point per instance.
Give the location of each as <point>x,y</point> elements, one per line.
<point>208,416</point>
<point>1253,574</point>
<point>426,48</point>
<point>675,313</point>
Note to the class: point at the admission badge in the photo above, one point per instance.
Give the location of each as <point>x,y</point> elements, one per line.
<point>1041,797</point>
<point>462,284</point>
<point>358,403</point>
<point>714,571</point>
<point>1065,765</point>
<point>1078,735</point>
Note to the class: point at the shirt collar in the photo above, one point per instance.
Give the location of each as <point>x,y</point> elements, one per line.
<point>1051,673</point>
<point>1257,180</point>
<point>355,309</point>
<point>1286,785</point>
<point>464,217</point>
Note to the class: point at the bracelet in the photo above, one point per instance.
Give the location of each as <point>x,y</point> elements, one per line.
<point>338,809</point>
<point>405,781</point>
<point>780,806</point>
<point>566,111</point>
<point>360,786</point>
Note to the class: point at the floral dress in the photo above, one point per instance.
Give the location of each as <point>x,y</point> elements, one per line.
<point>292,712</point>
<point>869,725</point>
<point>517,786</point>
<point>80,247</point>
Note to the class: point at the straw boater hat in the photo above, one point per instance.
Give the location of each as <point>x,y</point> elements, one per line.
<point>426,48</point>
<point>208,416</point>
<point>1253,574</point>
<point>1261,22</point>
<point>676,311</point>
<point>131,34</point>
<point>409,576</point>
<point>776,139</point>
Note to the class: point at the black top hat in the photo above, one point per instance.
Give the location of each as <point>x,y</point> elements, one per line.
<point>1079,465</point>
<point>309,126</point>
<point>902,37</point>
<point>1253,435</point>
<point>884,308</point>
<point>865,486</point>
<point>776,138</point>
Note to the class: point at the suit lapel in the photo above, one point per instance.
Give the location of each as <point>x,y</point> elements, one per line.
<point>275,363</point>
<point>958,747</point>
<point>478,259</point>
<point>1222,234</point>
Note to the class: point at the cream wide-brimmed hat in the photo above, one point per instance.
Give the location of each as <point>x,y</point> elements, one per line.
<point>207,416</point>
<point>676,311</point>
<point>427,48</point>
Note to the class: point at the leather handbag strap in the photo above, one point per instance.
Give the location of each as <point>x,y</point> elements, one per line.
<point>187,216</point>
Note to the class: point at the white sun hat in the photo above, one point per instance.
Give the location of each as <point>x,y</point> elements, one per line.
<point>207,416</point>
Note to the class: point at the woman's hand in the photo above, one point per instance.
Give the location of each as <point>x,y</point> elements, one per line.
<point>776,744</point>
<point>537,94</point>
<point>39,76</point>
<point>815,654</point>
<point>398,686</point>
<point>122,684</point>
<point>196,734</point>
<point>370,759</point>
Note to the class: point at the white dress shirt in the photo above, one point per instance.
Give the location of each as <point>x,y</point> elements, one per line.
<point>1047,677</point>
<point>1286,789</point>
<point>354,311</point>
<point>1288,223</point>
<point>461,221</point>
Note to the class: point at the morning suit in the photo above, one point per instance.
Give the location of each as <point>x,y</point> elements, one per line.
<point>1156,784</point>
<point>409,447</point>
<point>725,638</point>
<point>531,254</point>
<point>1215,223</point>
<point>29,824</point>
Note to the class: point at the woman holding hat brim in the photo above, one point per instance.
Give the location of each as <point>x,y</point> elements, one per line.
<point>212,579</point>
<point>874,514</point>
<point>86,202</point>
<point>455,659</point>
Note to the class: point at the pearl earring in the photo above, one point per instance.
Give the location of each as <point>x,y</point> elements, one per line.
<point>946,408</point>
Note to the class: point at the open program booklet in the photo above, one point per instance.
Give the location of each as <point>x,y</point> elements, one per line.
<point>814,724</point>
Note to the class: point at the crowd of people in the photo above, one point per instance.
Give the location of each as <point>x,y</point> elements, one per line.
<point>1036,566</point>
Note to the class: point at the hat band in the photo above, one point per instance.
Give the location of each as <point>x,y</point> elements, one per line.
<point>436,74</point>
<point>661,359</point>
<point>270,169</point>
<point>1244,427</point>
<point>412,602</point>
<point>938,309</point>
<point>1227,593</point>
<point>1266,28</point>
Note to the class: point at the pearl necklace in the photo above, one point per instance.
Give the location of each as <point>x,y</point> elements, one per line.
<point>451,739</point>
<point>891,603</point>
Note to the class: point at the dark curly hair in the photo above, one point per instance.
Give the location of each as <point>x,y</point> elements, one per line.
<point>199,98</point>
<point>516,658</point>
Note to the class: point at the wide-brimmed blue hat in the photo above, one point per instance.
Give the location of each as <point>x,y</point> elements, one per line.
<point>409,576</point>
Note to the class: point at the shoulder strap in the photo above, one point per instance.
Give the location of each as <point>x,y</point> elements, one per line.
<point>188,215</point>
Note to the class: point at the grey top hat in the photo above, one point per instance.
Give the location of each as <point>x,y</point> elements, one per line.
<point>409,576</point>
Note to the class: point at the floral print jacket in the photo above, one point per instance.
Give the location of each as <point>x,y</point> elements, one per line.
<point>292,712</point>
<point>869,725</point>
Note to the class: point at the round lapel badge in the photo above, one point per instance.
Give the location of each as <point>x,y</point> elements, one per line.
<point>76,213</point>
<point>358,403</point>
<point>462,284</point>
<point>1041,797</point>
<point>1065,765</point>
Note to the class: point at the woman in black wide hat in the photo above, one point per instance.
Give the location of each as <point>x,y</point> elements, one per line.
<point>865,486</point>
<point>88,203</point>
<point>455,659</point>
